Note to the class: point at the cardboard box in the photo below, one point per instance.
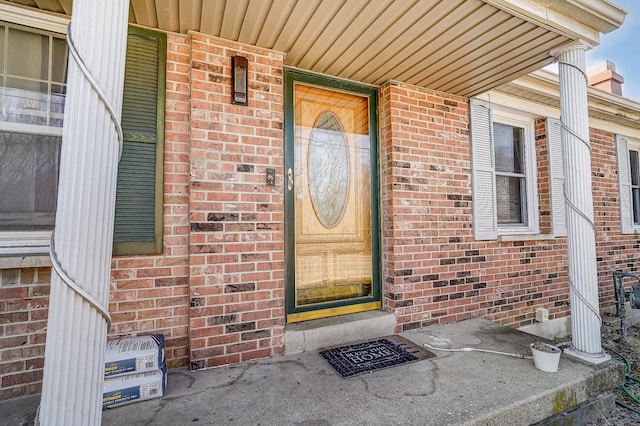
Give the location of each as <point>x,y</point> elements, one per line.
<point>129,355</point>
<point>130,388</point>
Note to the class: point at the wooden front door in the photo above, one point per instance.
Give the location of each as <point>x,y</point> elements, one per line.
<point>332,231</point>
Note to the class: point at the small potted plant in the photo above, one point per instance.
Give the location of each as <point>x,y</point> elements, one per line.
<point>546,357</point>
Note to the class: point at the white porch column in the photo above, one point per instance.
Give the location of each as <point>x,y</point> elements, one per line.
<point>77,329</point>
<point>581,233</point>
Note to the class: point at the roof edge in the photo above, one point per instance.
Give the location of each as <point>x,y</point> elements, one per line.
<point>546,83</point>
<point>576,19</point>
<point>608,16</point>
<point>546,77</point>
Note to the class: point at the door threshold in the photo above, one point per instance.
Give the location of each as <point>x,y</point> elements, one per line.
<point>324,332</point>
<point>332,312</point>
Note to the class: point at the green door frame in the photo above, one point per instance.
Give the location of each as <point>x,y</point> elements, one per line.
<point>342,306</point>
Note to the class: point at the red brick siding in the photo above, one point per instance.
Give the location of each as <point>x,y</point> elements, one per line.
<point>614,251</point>
<point>435,272</point>
<point>150,294</point>
<point>24,301</point>
<point>237,222</point>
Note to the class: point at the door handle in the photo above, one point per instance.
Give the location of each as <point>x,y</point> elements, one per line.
<point>289,179</point>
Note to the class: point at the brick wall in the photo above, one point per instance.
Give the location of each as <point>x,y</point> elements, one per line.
<point>435,272</point>
<point>150,294</point>
<point>236,220</point>
<point>614,251</point>
<point>24,299</point>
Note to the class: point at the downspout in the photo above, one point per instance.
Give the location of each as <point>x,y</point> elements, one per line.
<point>82,241</point>
<point>581,231</point>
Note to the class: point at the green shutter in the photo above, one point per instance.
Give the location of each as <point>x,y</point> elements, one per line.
<point>138,220</point>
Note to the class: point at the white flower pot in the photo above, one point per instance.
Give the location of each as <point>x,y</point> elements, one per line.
<point>546,359</point>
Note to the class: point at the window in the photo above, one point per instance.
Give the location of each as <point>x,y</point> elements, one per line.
<point>504,172</point>
<point>628,155</point>
<point>511,188</point>
<point>32,83</point>
<point>33,72</point>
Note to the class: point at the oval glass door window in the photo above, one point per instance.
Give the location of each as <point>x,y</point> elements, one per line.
<point>328,170</point>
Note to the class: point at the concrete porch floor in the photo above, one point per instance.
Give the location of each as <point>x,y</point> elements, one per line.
<point>455,388</point>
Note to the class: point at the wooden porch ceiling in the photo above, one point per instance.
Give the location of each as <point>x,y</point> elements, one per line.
<point>464,47</point>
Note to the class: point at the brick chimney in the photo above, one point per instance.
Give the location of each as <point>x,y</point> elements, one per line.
<point>606,78</point>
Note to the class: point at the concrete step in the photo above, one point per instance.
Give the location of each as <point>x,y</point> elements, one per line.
<point>320,333</point>
<point>502,390</point>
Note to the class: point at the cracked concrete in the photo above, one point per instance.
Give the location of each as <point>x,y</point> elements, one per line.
<point>302,389</point>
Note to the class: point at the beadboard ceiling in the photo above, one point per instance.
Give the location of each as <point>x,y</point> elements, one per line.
<point>464,47</point>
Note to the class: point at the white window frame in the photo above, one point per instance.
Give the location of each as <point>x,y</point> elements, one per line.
<point>514,118</point>
<point>29,243</point>
<point>485,224</point>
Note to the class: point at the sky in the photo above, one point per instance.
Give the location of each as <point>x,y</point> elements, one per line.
<point>622,47</point>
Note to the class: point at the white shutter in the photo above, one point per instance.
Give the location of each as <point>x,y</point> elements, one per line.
<point>483,172</point>
<point>556,177</point>
<point>624,185</point>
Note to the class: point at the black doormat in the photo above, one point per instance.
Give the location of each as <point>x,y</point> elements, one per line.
<point>358,358</point>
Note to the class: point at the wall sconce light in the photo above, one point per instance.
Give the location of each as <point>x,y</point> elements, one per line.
<point>239,65</point>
